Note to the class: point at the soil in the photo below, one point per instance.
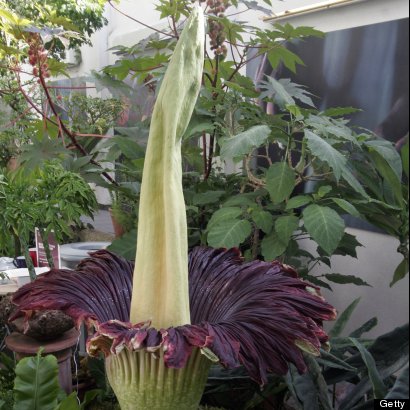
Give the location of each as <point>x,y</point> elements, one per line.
<point>45,325</point>
<point>6,309</point>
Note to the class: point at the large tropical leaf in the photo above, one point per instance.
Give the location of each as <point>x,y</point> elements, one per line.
<point>325,152</point>
<point>229,233</point>
<point>400,389</point>
<point>245,142</point>
<point>379,388</point>
<point>36,383</point>
<point>309,389</point>
<point>280,181</point>
<point>390,352</point>
<point>390,154</point>
<point>272,247</point>
<point>325,226</point>
<point>285,226</point>
<point>343,318</point>
<point>284,92</point>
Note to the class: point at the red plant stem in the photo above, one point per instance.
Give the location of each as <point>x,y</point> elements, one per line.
<point>11,123</point>
<point>59,123</point>
<point>204,156</point>
<point>60,87</point>
<point>174,27</point>
<point>68,132</point>
<point>208,166</point>
<point>78,134</point>
<point>17,70</point>
<point>210,155</point>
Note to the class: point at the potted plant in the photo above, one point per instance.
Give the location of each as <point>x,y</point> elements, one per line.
<point>52,199</point>
<point>161,288</point>
<point>258,207</point>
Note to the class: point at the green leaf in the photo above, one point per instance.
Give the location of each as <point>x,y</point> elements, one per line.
<point>239,200</point>
<point>282,54</point>
<point>57,67</point>
<point>298,201</point>
<point>263,220</point>
<point>347,246</point>
<point>389,175</point>
<point>36,383</point>
<point>198,125</point>
<point>325,226</point>
<point>272,247</point>
<point>309,389</point>
<point>405,158</point>
<point>128,147</point>
<point>280,181</point>
<point>347,206</point>
<point>324,190</point>
<point>209,197</point>
<point>366,327</point>
<point>325,152</point>
<point>247,92</point>
<point>340,111</point>
<point>285,226</point>
<point>389,153</point>
<point>379,388</point>
<point>348,176</point>
<point>125,246</point>
<point>69,403</point>
<point>344,279</point>
<point>224,214</point>
<point>329,360</point>
<point>343,318</point>
<point>274,89</point>
<point>401,271</point>
<point>245,142</point>
<point>400,389</point>
<point>89,397</point>
<point>391,353</point>
<point>229,233</point>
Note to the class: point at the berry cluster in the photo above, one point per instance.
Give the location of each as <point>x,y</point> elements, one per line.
<point>37,56</point>
<point>216,27</point>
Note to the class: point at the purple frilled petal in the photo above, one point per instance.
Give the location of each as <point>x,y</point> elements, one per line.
<point>261,307</point>
<point>99,290</point>
<point>257,314</point>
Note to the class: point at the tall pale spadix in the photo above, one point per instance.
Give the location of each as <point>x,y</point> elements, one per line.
<point>160,287</point>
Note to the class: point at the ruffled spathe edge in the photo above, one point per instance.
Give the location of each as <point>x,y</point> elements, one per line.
<point>258,314</point>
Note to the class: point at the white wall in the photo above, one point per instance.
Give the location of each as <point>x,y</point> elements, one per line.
<point>356,14</point>
<point>375,264</point>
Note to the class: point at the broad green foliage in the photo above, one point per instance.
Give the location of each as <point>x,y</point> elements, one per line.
<point>83,18</point>
<point>280,181</point>
<point>36,385</point>
<point>50,199</point>
<point>241,144</point>
<point>325,226</point>
<point>343,170</point>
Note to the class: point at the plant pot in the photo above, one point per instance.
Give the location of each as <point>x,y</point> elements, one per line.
<point>61,348</point>
<point>118,228</point>
<point>13,164</point>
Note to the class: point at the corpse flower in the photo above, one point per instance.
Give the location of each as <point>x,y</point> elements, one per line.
<point>161,323</point>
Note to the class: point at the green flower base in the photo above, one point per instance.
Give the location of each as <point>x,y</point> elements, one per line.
<point>141,381</point>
